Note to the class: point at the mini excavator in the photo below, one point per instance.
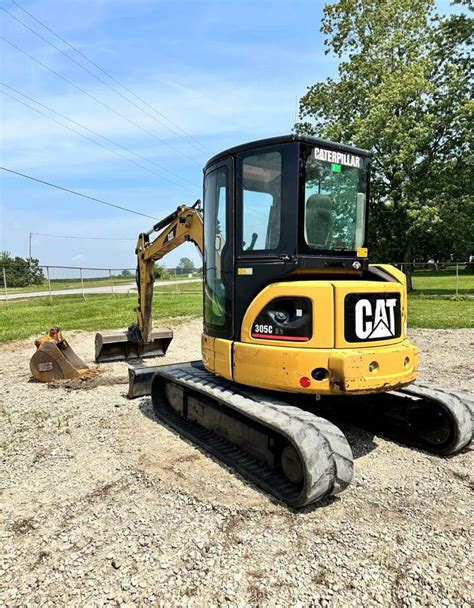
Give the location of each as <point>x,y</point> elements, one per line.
<point>294,317</point>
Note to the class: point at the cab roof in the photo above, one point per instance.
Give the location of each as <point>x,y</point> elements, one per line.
<point>284,139</point>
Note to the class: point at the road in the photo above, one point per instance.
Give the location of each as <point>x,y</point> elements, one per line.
<point>120,288</point>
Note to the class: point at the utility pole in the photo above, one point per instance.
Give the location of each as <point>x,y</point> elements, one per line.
<point>29,249</point>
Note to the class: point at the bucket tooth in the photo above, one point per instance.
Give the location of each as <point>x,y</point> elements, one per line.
<point>118,346</point>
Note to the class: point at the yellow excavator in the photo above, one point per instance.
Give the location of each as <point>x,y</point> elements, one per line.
<point>296,322</point>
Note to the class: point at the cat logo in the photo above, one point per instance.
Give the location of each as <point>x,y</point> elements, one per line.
<point>378,323</point>
<point>372,316</point>
<point>171,234</point>
<point>341,158</point>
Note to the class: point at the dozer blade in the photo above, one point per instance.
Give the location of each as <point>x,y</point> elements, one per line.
<point>56,361</point>
<point>118,346</point>
<point>140,378</point>
<point>139,381</point>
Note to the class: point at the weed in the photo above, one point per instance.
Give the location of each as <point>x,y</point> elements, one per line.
<point>4,413</point>
<point>42,555</point>
<point>38,417</point>
<point>23,526</point>
<point>40,454</point>
<point>257,595</point>
<point>319,578</point>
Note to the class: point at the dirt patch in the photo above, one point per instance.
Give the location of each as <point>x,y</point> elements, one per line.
<point>86,384</point>
<point>102,505</point>
<point>22,526</point>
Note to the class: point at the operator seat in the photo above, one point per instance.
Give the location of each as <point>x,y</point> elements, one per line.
<point>318,221</point>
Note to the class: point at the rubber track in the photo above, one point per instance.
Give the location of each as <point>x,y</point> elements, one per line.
<point>323,449</point>
<point>458,404</point>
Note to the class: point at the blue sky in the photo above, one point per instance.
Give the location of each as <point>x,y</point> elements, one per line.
<point>224,71</point>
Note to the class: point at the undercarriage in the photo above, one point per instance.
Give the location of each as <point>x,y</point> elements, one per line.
<point>290,445</point>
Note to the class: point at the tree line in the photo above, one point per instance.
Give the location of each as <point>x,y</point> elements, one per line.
<point>19,272</point>
<point>403,91</point>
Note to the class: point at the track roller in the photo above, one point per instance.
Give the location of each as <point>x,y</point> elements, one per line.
<point>444,424</point>
<point>294,455</point>
<point>422,415</point>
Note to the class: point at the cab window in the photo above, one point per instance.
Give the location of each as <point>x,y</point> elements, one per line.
<point>215,234</point>
<point>335,202</point>
<point>261,201</point>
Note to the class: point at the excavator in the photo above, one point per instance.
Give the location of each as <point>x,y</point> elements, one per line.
<point>296,323</point>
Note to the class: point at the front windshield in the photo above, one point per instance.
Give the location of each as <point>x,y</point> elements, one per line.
<point>335,201</point>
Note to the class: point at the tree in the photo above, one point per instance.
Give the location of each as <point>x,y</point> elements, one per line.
<point>160,272</point>
<point>125,274</point>
<point>403,91</point>
<point>185,266</point>
<point>19,272</point>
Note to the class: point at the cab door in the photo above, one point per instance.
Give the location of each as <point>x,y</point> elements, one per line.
<point>266,221</point>
<point>218,255</point>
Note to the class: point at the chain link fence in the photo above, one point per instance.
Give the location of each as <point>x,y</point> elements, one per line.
<point>432,278</point>
<point>54,281</point>
<point>440,279</point>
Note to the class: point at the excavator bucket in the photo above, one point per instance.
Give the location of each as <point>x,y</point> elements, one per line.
<point>121,346</point>
<point>54,359</point>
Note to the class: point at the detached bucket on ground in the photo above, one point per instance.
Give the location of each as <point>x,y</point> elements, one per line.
<point>54,359</point>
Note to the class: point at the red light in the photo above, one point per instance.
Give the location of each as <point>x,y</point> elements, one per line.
<point>305,382</point>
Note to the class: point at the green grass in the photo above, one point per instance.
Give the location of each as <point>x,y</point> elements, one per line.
<point>32,317</point>
<point>35,316</point>
<point>440,313</point>
<point>443,282</point>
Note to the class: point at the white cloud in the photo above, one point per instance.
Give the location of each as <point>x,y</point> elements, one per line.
<point>78,259</point>
<point>235,107</point>
<point>207,68</point>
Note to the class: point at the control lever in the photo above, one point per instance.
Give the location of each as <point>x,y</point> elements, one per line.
<point>252,242</point>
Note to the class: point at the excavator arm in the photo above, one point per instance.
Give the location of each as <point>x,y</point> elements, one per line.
<point>141,340</point>
<point>183,225</point>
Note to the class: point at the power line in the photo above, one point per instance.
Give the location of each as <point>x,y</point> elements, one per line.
<point>94,98</point>
<point>85,136</point>
<point>51,44</point>
<point>89,139</point>
<point>143,101</point>
<point>82,238</point>
<point>91,198</point>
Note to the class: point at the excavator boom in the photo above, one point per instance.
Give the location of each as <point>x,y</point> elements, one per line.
<point>140,340</point>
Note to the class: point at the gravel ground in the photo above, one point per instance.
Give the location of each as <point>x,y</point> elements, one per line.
<point>101,505</point>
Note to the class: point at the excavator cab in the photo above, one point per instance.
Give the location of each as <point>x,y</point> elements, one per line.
<point>291,213</point>
<point>282,209</point>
